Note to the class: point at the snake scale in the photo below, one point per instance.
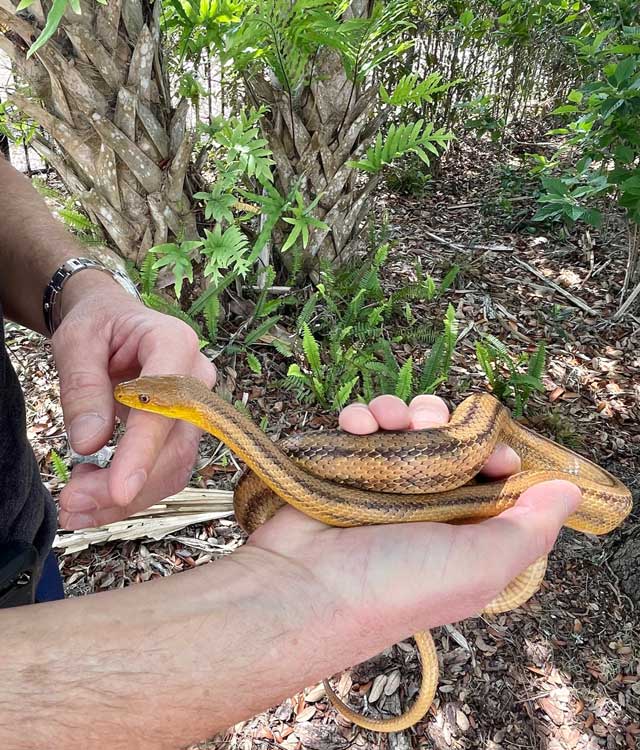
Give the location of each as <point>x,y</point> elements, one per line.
<point>390,477</point>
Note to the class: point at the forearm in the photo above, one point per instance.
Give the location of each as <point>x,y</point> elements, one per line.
<point>169,662</point>
<point>33,244</point>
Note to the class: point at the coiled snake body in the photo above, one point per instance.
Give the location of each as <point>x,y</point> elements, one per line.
<point>395,477</point>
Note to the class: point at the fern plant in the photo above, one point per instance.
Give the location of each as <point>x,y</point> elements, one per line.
<point>349,330</point>
<point>504,372</point>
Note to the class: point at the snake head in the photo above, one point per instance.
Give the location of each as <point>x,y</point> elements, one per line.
<point>169,395</point>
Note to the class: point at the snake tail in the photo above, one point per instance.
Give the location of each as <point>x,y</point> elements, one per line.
<point>430,672</point>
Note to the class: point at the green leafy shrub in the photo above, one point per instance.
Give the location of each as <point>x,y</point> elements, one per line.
<point>600,121</point>
<point>504,372</point>
<point>349,328</point>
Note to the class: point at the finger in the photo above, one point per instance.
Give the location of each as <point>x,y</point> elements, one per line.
<point>357,419</point>
<point>87,501</point>
<point>503,462</point>
<point>82,359</point>
<point>161,352</point>
<point>427,411</point>
<point>390,412</point>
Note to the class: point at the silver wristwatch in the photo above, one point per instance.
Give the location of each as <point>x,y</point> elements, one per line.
<point>51,298</point>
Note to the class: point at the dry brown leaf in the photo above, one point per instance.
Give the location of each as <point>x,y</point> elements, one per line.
<point>393,682</point>
<point>316,693</point>
<point>306,714</point>
<point>377,688</point>
<point>552,710</point>
<point>462,721</point>
<point>344,686</point>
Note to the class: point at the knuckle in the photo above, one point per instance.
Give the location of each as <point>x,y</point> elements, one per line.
<point>184,332</point>
<point>79,384</point>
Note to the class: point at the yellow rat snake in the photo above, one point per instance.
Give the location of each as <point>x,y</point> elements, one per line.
<point>390,477</point>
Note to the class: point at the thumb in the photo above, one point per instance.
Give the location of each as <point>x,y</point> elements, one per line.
<point>82,359</point>
<point>507,544</point>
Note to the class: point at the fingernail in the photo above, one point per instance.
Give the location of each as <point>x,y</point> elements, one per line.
<point>77,503</point>
<point>424,417</point>
<point>134,484</point>
<point>85,427</point>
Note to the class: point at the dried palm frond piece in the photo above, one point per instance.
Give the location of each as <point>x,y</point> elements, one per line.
<point>191,506</point>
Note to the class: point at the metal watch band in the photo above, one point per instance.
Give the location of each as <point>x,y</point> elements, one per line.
<point>53,292</point>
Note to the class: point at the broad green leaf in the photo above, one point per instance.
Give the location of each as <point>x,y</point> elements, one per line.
<point>53,21</point>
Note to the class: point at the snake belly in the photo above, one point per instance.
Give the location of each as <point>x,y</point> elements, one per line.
<point>390,477</point>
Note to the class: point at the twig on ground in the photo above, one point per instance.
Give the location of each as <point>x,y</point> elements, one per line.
<point>622,310</point>
<point>575,300</point>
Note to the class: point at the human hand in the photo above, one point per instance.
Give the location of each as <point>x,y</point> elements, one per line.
<point>107,336</point>
<point>402,578</point>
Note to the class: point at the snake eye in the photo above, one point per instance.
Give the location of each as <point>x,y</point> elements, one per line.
<point>144,398</point>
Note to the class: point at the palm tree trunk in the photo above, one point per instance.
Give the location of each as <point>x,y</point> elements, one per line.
<point>313,134</point>
<point>100,95</point>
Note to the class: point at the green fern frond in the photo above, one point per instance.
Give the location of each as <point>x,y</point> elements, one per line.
<point>254,363</point>
<point>449,279</point>
<point>257,333</point>
<point>59,467</point>
<point>413,90</point>
<point>311,350</point>
<point>344,392</point>
<point>148,274</point>
<point>486,361</point>
<point>281,347</point>
<point>432,367</point>
<point>425,333</point>
<point>401,139</point>
<point>404,383</point>
<point>500,349</point>
<point>46,191</point>
<point>308,310</point>
<point>450,338</point>
<point>537,362</point>
<point>78,221</point>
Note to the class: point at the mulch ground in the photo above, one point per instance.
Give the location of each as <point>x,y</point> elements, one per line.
<point>561,672</point>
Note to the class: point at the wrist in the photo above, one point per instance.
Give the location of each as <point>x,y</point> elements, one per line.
<point>90,284</point>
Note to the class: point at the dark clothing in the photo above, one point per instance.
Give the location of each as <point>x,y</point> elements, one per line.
<point>50,587</point>
<point>27,512</point>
